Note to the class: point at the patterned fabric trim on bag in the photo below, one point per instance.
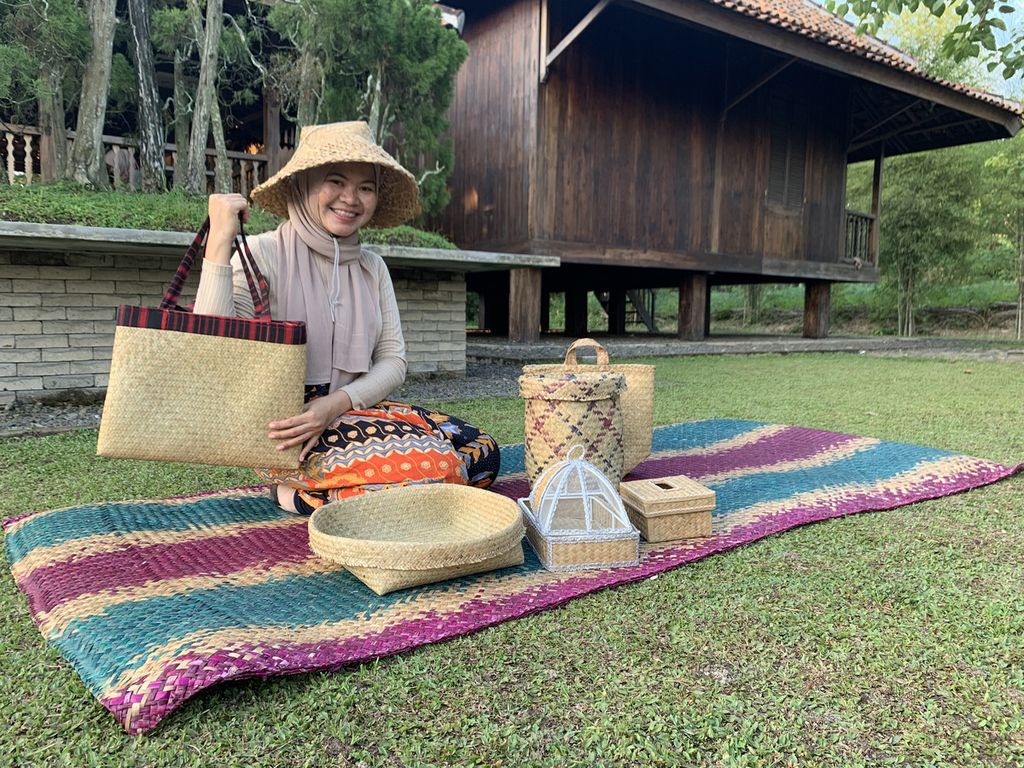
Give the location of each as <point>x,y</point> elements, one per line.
<point>275,331</point>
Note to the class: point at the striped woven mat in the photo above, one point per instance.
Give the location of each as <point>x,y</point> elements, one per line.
<point>153,601</point>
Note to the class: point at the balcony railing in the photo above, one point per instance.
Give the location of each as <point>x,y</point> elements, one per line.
<point>859,243</point>
<point>21,158</point>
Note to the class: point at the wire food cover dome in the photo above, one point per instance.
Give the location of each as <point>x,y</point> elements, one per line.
<point>575,518</point>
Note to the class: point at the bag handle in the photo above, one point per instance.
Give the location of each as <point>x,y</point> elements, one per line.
<point>258,286</point>
<point>570,353</point>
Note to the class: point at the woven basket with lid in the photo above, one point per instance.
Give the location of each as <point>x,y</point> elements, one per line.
<point>567,409</point>
<point>636,401</point>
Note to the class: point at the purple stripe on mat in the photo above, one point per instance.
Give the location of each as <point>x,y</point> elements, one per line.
<point>207,557</point>
<point>192,673</point>
<point>789,444</point>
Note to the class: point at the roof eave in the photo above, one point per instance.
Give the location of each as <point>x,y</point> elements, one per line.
<point>789,43</point>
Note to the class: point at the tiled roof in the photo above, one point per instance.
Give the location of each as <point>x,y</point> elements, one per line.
<point>812,21</point>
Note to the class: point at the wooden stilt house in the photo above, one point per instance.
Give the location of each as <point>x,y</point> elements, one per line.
<point>681,143</point>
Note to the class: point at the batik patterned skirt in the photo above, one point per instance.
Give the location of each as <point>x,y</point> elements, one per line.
<point>391,444</point>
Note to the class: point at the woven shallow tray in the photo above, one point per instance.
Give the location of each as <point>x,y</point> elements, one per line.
<point>418,534</point>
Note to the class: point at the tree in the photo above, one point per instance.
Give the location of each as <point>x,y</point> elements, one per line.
<point>929,222</point>
<point>389,62</point>
<point>151,124</point>
<point>984,29</point>
<point>1006,208</point>
<point>173,36</point>
<point>41,60</point>
<point>87,165</point>
<point>206,94</point>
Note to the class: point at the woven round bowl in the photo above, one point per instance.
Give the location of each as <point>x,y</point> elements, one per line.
<point>418,534</point>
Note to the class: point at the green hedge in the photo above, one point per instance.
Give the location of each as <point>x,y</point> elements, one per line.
<point>65,203</point>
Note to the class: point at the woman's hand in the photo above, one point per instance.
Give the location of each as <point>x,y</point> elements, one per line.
<point>224,211</point>
<point>307,427</point>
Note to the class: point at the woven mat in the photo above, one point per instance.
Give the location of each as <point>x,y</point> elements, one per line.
<point>153,601</point>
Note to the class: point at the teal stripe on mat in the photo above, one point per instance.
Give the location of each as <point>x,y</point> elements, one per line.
<point>874,464</point>
<point>129,629</point>
<point>132,517</point>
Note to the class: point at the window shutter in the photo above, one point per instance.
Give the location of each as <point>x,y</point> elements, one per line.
<point>787,152</point>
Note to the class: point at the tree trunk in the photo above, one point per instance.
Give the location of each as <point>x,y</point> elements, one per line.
<point>375,108</point>
<point>1020,282</point>
<point>54,147</point>
<point>87,165</point>
<point>151,124</point>
<point>752,295</point>
<point>310,88</point>
<point>222,171</point>
<point>905,301</point>
<point>195,178</point>
<point>182,119</point>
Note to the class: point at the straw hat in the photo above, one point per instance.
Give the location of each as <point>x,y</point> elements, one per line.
<point>398,196</point>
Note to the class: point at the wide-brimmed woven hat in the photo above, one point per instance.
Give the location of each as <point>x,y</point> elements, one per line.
<point>398,196</point>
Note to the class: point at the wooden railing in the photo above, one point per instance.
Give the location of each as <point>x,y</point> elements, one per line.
<point>859,244</point>
<point>21,160</point>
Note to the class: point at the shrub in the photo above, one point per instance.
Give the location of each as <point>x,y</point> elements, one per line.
<point>66,203</point>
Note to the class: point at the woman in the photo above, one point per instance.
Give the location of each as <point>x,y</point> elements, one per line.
<point>337,182</point>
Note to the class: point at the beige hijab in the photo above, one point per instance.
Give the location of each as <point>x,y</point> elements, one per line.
<point>342,319</point>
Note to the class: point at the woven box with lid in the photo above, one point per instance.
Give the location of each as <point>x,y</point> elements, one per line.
<point>669,508</point>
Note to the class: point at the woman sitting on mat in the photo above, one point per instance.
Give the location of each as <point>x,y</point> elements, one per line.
<point>353,440</point>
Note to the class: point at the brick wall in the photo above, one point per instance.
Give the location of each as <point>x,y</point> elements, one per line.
<point>433,309</point>
<point>57,318</point>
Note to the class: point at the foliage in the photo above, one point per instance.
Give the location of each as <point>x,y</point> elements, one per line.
<point>884,638</point>
<point>928,222</point>
<point>66,203</point>
<point>406,235</point>
<point>38,35</point>
<point>920,33</point>
<point>981,29</point>
<point>391,63</point>
<point>1006,181</point>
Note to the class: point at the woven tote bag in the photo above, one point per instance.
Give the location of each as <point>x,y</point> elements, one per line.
<point>568,409</point>
<point>637,401</point>
<point>203,388</point>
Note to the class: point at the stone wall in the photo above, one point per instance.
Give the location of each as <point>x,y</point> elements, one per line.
<point>433,309</point>
<point>57,317</point>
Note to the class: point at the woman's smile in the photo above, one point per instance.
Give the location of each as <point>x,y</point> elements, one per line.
<point>347,199</point>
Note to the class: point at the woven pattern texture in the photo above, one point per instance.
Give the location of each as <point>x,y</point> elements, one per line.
<point>191,397</point>
<point>153,601</point>
<point>637,399</point>
<point>564,410</point>
<point>418,535</point>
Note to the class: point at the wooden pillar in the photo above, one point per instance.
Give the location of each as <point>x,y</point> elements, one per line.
<point>693,302</point>
<point>47,164</point>
<point>617,311</point>
<point>545,311</point>
<point>524,304</point>
<point>272,130</point>
<point>494,307</point>
<point>707,313</point>
<point>876,207</point>
<point>817,303</point>
<point>575,312</point>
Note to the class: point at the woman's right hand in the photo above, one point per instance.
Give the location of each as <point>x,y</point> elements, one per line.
<point>224,211</point>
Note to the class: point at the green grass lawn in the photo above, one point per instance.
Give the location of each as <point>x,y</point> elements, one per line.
<point>892,638</point>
